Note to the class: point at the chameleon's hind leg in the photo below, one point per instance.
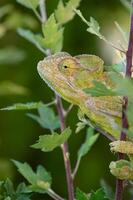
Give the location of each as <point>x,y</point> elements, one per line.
<point>122,169</point>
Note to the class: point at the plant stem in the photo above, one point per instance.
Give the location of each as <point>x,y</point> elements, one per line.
<point>68,110</point>
<point>60,110</point>
<point>54,195</point>
<point>129,56</point>
<point>65,151</point>
<point>51,103</point>
<point>76,168</point>
<point>129,53</point>
<point>43,12</point>
<point>37,15</point>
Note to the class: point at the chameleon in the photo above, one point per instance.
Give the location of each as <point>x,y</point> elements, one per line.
<point>68,76</point>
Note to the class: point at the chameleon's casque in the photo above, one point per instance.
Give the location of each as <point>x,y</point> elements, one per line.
<point>68,76</point>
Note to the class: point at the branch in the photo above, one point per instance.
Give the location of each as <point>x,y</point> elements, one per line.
<point>129,56</point>
<point>66,112</point>
<point>65,150</point>
<point>60,110</point>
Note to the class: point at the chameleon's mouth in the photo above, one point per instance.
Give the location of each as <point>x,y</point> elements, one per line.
<point>41,69</point>
<point>45,72</point>
<point>44,68</point>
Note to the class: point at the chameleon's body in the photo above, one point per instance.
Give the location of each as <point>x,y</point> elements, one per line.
<point>68,76</point>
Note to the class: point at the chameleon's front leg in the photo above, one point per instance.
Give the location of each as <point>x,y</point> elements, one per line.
<point>125,147</point>
<point>122,169</point>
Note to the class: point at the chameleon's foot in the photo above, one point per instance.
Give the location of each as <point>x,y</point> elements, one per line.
<point>125,147</point>
<point>122,169</point>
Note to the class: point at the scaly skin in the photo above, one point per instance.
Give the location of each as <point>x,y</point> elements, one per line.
<point>68,76</point>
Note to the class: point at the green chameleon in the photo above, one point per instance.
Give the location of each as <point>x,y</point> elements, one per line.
<point>68,76</point>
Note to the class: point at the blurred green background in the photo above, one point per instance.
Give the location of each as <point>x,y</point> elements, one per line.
<point>17,131</point>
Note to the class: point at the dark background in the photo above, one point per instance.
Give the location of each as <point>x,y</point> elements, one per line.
<point>18,132</point>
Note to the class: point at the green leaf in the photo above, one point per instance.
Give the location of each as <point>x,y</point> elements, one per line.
<point>9,187</point>
<point>43,175</point>
<point>89,142</point>
<point>78,12</point>
<point>32,4</point>
<point>5,9</point>
<point>81,195</point>
<point>33,38</point>
<point>47,118</point>
<point>24,197</point>
<point>53,35</point>
<point>66,13</point>
<point>94,28</point>
<point>16,55</point>
<point>119,67</point>
<point>99,89</point>
<point>40,181</point>
<point>50,142</point>
<point>121,85</point>
<point>22,189</point>
<point>93,25</point>
<point>7,191</point>
<point>26,171</point>
<point>9,88</point>
<point>8,198</point>
<point>80,126</point>
<point>44,179</point>
<point>126,4</point>
<point>98,195</point>
<point>23,106</point>
<point>108,190</point>
<point>18,19</point>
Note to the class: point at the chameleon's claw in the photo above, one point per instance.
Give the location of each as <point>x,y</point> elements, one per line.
<point>122,169</point>
<point>125,147</point>
<point>113,146</point>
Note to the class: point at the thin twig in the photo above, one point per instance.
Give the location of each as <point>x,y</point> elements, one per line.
<point>66,112</point>
<point>115,47</point>
<point>54,195</point>
<point>60,110</point>
<point>76,168</point>
<point>121,31</point>
<point>37,15</point>
<point>43,12</point>
<point>51,103</point>
<point>129,56</point>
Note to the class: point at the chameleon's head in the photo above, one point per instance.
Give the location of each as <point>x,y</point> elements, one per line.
<point>59,72</point>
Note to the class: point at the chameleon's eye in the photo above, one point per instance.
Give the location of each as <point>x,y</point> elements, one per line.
<point>67,66</point>
<point>64,66</point>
